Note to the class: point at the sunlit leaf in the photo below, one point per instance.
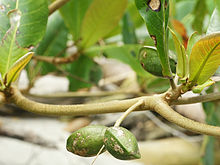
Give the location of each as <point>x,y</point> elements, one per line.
<point>15,70</point>
<point>34,14</point>
<point>182,64</point>
<point>156,13</point>
<point>191,42</point>
<point>199,12</point>
<point>9,49</point>
<point>214,25</point>
<point>73,13</point>
<point>100,19</point>
<point>204,59</point>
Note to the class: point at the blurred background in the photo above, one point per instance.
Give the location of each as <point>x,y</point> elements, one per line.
<point>108,70</point>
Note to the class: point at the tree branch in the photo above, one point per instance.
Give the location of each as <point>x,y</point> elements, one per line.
<point>58,60</point>
<point>81,109</point>
<point>156,102</point>
<point>56,5</point>
<point>168,113</point>
<point>197,99</point>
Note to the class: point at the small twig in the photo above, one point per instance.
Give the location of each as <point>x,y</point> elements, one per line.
<point>197,99</point>
<point>98,155</point>
<point>58,60</point>
<point>126,113</point>
<point>56,5</point>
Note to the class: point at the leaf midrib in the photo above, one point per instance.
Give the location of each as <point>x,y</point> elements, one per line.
<point>195,79</point>
<point>12,42</point>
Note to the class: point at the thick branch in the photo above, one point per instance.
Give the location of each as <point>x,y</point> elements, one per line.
<point>168,113</point>
<point>197,99</point>
<point>156,102</point>
<point>81,109</point>
<point>57,60</point>
<point>56,5</point>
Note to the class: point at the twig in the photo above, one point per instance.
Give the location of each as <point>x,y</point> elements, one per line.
<point>132,108</point>
<point>58,60</point>
<point>197,99</point>
<point>98,155</point>
<point>79,109</point>
<point>56,5</point>
<point>156,102</point>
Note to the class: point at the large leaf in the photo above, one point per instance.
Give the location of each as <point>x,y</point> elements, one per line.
<point>156,13</point>
<point>126,54</point>
<point>200,11</point>
<point>54,42</point>
<point>100,19</point>
<point>33,20</point>
<point>214,25</point>
<point>73,13</point>
<point>182,64</point>
<point>204,59</point>
<point>10,52</point>
<point>128,30</point>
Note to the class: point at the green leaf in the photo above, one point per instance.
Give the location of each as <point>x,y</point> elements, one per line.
<point>128,30</point>
<point>214,25</point>
<point>15,70</point>
<point>218,5</point>
<point>204,59</point>
<point>199,88</point>
<point>199,16</point>
<point>182,64</point>
<point>54,42</point>
<point>73,13</point>
<point>33,21</point>
<point>126,54</point>
<point>81,73</point>
<point>9,50</point>
<point>191,42</point>
<point>156,13</point>
<point>100,19</point>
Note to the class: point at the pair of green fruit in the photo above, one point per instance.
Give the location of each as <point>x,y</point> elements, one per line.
<point>118,141</point>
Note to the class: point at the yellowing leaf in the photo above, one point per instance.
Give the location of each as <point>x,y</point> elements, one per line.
<point>204,59</point>
<point>182,64</point>
<point>17,67</point>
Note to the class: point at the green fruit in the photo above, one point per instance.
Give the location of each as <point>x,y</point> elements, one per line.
<point>86,141</point>
<point>150,61</point>
<point>121,143</point>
